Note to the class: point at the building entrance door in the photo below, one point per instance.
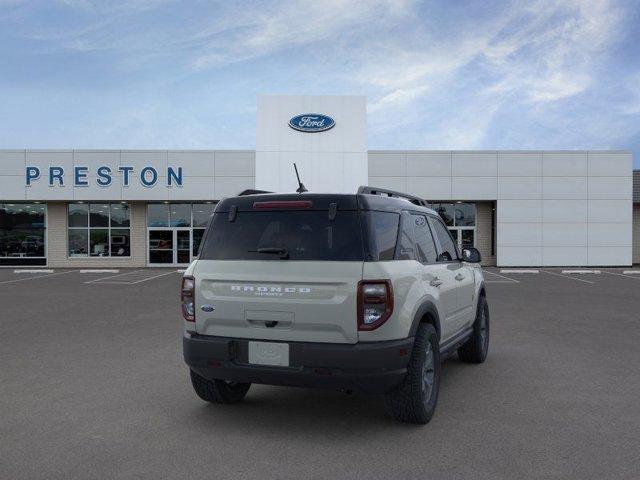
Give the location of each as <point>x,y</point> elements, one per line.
<point>170,246</point>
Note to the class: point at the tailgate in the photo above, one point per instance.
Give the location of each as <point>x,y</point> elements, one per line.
<point>306,301</point>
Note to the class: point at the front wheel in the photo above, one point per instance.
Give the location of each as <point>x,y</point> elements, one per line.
<point>414,401</point>
<point>476,348</point>
<point>218,391</point>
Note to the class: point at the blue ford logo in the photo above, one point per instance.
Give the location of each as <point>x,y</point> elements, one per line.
<point>312,122</point>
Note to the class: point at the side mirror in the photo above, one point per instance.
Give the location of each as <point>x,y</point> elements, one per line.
<point>471,255</point>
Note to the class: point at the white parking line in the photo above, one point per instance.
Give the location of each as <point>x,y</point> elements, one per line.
<point>621,275</point>
<point>39,276</point>
<point>516,270</point>
<point>581,272</point>
<point>151,278</point>
<point>501,276</point>
<point>631,272</point>
<point>567,276</point>
<point>41,270</point>
<point>499,281</point>
<point>112,276</point>
<point>104,270</point>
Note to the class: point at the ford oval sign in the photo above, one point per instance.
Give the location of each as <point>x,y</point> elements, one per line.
<point>312,122</point>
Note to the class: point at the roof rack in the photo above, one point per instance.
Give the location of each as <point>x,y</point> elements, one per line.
<point>251,191</point>
<point>392,193</point>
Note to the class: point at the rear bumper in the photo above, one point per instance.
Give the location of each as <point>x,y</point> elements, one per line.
<point>375,367</point>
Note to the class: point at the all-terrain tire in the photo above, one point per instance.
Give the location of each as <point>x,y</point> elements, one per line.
<point>477,346</point>
<point>414,401</point>
<point>218,391</point>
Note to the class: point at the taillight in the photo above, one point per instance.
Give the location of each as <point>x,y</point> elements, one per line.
<point>187,298</point>
<point>375,303</point>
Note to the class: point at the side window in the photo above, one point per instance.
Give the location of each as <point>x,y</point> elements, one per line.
<point>447,252</point>
<point>406,250</point>
<point>384,233</point>
<point>425,247</point>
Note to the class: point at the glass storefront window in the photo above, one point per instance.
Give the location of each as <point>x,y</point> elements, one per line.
<point>465,215</point>
<point>120,216</point>
<point>91,231</point>
<point>158,215</point>
<point>446,212</point>
<point>202,213</point>
<point>98,215</point>
<point>22,232</point>
<point>180,215</point>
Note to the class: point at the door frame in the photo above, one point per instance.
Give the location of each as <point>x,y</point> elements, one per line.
<point>174,232</point>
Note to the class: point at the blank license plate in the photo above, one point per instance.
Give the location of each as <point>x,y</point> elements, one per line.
<point>269,353</point>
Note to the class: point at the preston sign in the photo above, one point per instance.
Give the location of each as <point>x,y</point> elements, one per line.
<point>312,122</point>
<point>56,176</point>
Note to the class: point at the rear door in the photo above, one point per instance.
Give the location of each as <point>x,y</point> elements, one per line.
<point>282,274</point>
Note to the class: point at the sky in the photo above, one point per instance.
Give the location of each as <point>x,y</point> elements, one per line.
<point>437,75</point>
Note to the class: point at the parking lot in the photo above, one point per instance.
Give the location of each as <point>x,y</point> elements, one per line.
<point>92,385</point>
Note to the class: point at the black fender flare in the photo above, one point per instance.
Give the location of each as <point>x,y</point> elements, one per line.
<point>427,308</point>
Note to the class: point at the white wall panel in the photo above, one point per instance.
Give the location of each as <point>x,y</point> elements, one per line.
<point>519,256</point>
<point>231,186</point>
<point>429,164</point>
<point>40,190</point>
<point>235,164</point>
<point>605,164</point>
<point>94,159</point>
<point>468,164</point>
<point>564,234</point>
<point>563,211</point>
<point>610,234</point>
<point>387,164</point>
<point>93,191</point>
<point>519,188</point>
<point>145,158</point>
<point>564,164</point>
<point>564,256</point>
<point>608,256</point>
<point>474,188</point>
<point>520,164</point>
<point>617,211</point>
<point>12,187</point>
<point>519,235</point>
<point>519,211</point>
<point>611,187</point>
<point>137,191</point>
<point>430,188</point>
<point>392,183</point>
<point>564,187</point>
<point>194,188</point>
<point>194,164</point>
<point>12,162</point>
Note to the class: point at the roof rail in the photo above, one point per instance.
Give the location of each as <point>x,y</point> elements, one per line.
<point>392,193</point>
<point>251,191</point>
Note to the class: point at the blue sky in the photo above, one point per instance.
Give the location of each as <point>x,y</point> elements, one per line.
<point>460,75</point>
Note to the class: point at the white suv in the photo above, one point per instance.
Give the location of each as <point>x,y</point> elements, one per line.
<point>363,292</point>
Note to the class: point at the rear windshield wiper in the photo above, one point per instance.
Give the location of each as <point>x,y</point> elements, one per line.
<point>283,252</point>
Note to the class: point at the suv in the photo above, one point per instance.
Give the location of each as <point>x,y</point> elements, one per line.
<point>363,292</point>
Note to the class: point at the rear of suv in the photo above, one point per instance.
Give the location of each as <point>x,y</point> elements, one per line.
<point>363,292</point>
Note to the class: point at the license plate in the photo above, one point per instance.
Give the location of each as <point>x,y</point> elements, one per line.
<point>269,353</point>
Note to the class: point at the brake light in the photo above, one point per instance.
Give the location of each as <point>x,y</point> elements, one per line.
<point>375,303</point>
<point>187,298</point>
<point>282,204</point>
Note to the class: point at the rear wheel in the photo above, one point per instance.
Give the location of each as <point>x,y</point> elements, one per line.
<point>218,391</point>
<point>415,400</point>
<point>476,348</point>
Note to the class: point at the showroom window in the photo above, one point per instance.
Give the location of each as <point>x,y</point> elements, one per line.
<point>23,233</point>
<point>99,230</point>
<point>460,219</point>
<point>175,230</point>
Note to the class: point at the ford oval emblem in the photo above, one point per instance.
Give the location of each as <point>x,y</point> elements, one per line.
<point>312,122</point>
<point>207,308</point>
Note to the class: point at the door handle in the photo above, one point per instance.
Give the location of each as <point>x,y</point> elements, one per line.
<point>436,282</point>
<point>459,277</point>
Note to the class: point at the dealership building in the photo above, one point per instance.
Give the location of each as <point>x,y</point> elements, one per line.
<point>134,208</point>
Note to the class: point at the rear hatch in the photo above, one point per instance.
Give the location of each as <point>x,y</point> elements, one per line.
<point>281,268</point>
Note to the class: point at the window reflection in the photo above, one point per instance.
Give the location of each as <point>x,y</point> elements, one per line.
<point>22,230</point>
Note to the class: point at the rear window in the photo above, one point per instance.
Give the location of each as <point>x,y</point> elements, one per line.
<point>266,235</point>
